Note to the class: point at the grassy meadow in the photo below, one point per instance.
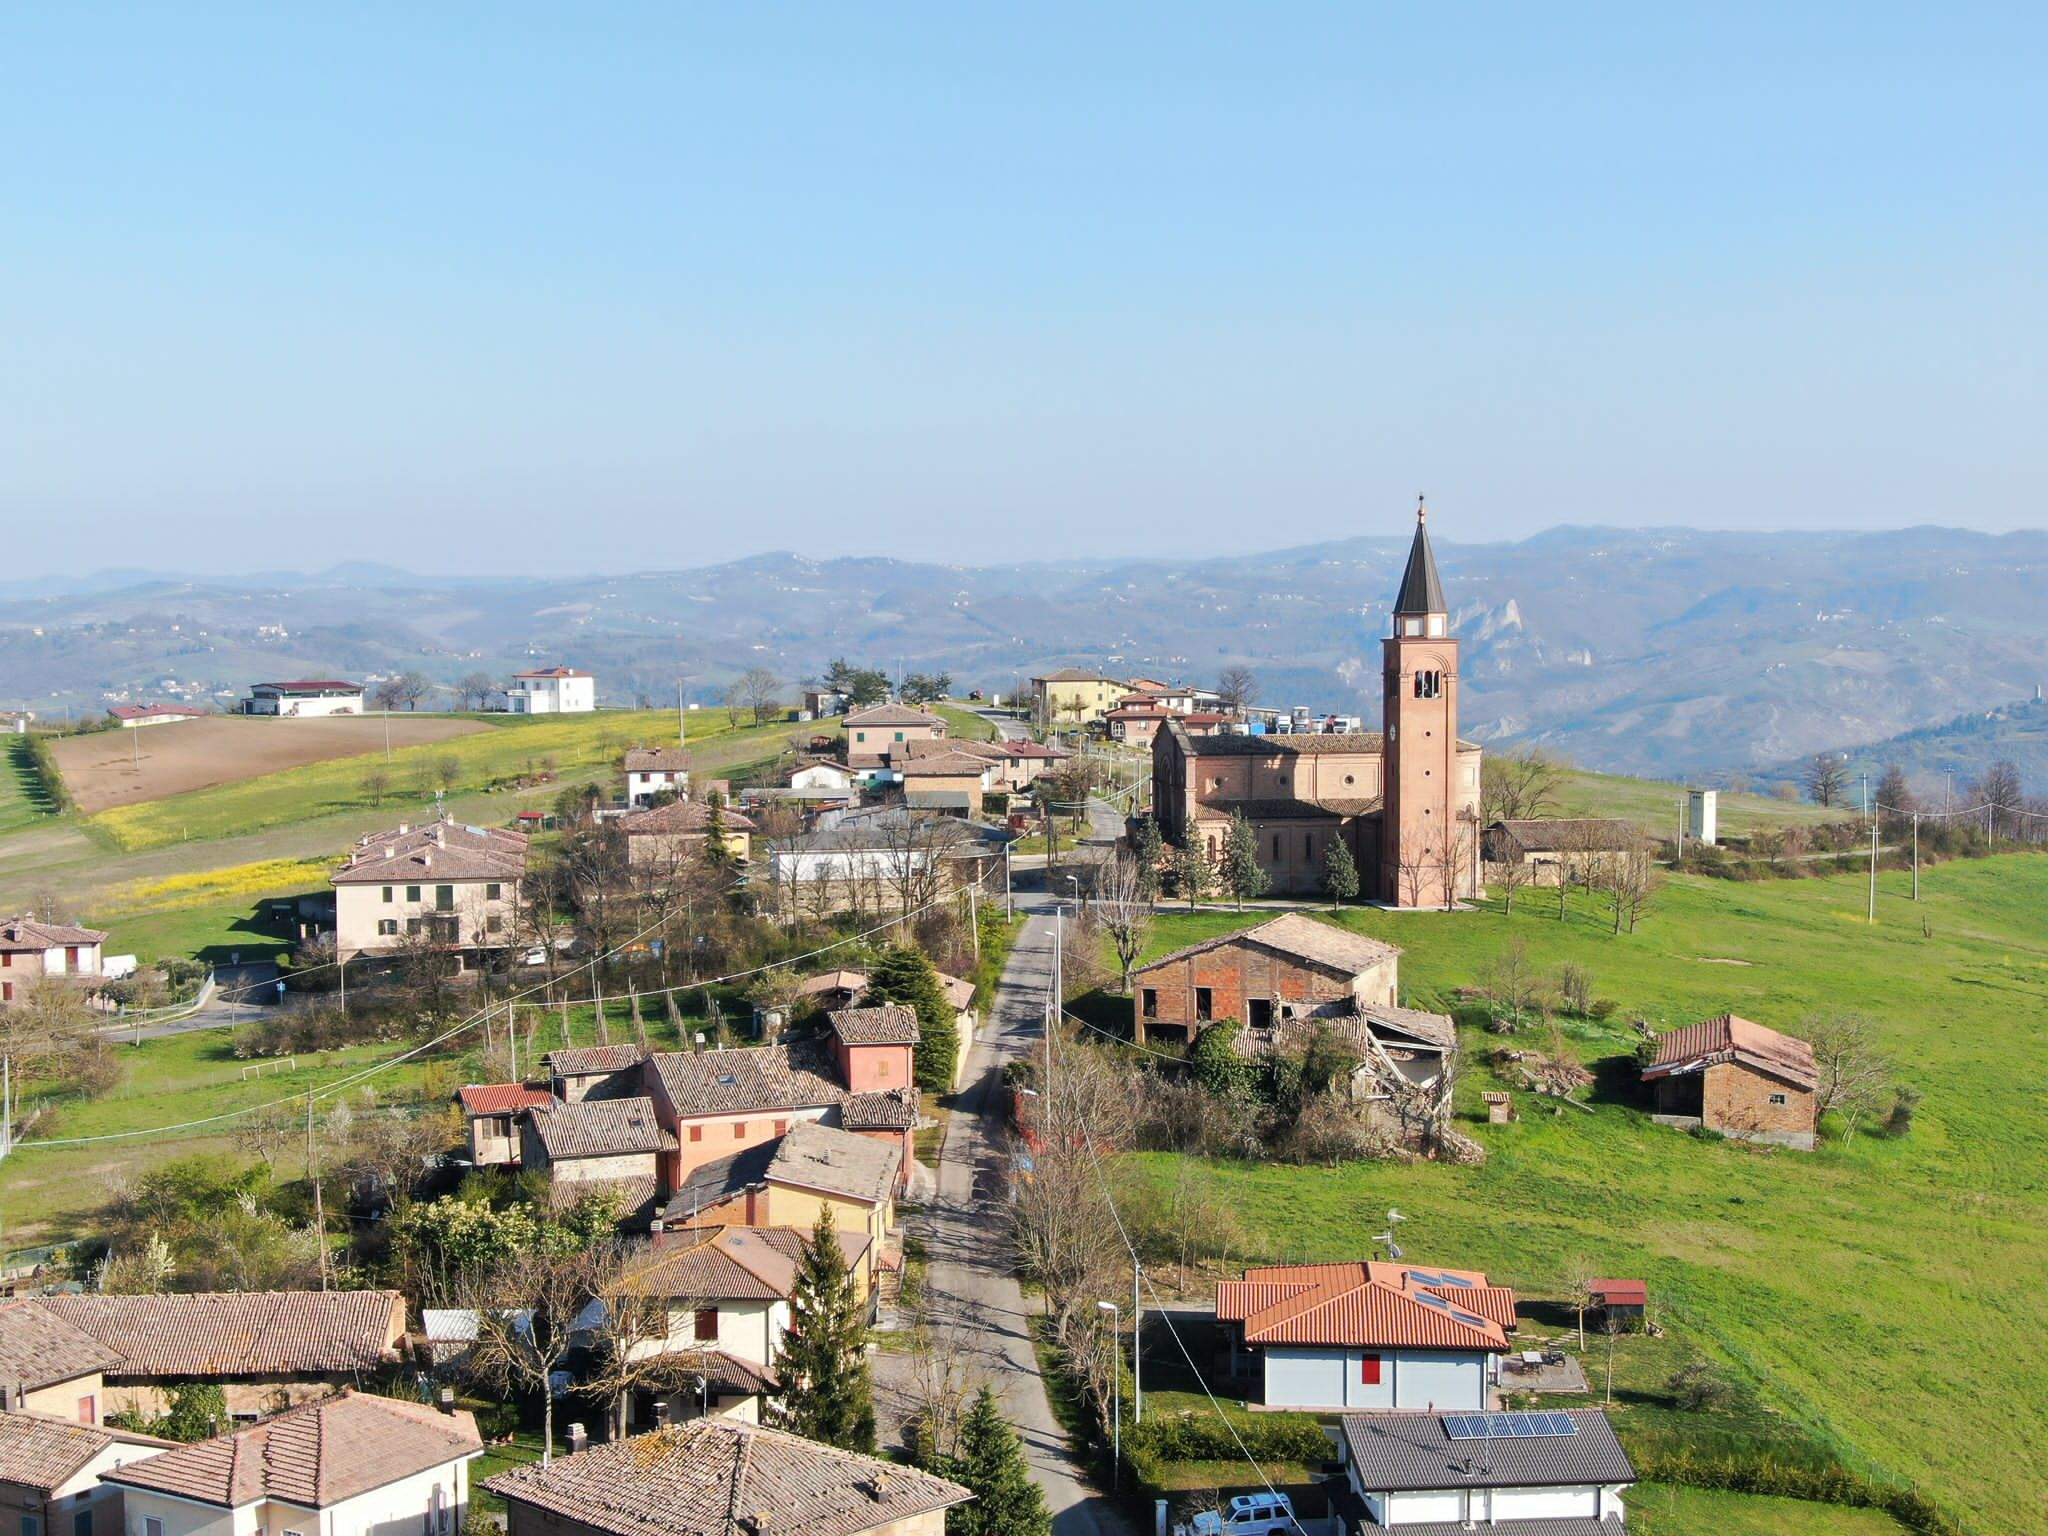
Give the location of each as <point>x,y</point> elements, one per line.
<point>1653,805</point>
<point>1883,1295</point>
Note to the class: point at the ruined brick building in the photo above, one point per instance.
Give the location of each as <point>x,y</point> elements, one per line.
<point>1405,799</point>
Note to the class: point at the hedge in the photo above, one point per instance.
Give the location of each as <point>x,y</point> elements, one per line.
<point>1150,1446</point>
<point>43,765</point>
<point>1829,1484</point>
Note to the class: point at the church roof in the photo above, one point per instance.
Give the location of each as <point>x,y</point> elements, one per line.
<point>1422,591</point>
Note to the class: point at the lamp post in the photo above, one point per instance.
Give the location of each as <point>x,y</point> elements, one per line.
<point>1116,1399</point>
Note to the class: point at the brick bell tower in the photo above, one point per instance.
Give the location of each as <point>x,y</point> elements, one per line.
<point>1421,841</point>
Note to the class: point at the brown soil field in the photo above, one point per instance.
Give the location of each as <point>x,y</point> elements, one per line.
<point>100,769</point>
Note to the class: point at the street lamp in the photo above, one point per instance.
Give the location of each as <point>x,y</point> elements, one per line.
<point>1116,1398</point>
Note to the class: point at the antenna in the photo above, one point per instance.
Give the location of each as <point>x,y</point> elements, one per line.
<point>1386,1240</point>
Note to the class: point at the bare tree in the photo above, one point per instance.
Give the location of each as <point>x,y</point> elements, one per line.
<point>1449,852</point>
<point>761,692</point>
<point>376,784</point>
<point>735,701</point>
<point>475,689</point>
<point>916,856</point>
<point>1519,786</point>
<point>1511,873</point>
<point>1631,878</point>
<point>638,1335</point>
<point>1238,687</point>
<point>1853,1072</point>
<point>1123,910</point>
<point>526,1310</point>
<point>2002,789</point>
<point>1826,779</point>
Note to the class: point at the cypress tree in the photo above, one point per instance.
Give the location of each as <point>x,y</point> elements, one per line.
<point>990,1460</point>
<point>827,1395</point>
<point>1340,872</point>
<point>907,976</point>
<point>1242,875</point>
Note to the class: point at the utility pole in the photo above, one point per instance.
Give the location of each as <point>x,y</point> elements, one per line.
<point>319,1210</point>
<point>387,733</point>
<point>1137,1324</point>
<point>1948,791</point>
<point>1681,829</point>
<point>682,717</point>
<point>1863,779</point>
<point>1873,870</point>
<point>1916,855</point>
<point>341,970</point>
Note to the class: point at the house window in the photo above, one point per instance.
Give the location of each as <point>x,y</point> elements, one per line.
<point>739,1130</point>
<point>387,893</point>
<point>1429,685</point>
<point>494,922</point>
<point>1304,845</point>
<point>89,1409</point>
<point>413,925</point>
<point>696,1133</point>
<point>860,735</point>
<point>152,1525</point>
<point>1148,1001</point>
<point>654,1317</point>
<point>493,891</point>
<point>444,898</point>
<point>782,1127</point>
<point>707,1325</point>
<point>1777,1098</point>
<point>1205,1003</point>
<point>81,1523</point>
<point>1276,847</point>
<point>882,1070</point>
<point>31,1525</point>
<point>1369,1370</point>
<point>412,893</point>
<point>387,927</point>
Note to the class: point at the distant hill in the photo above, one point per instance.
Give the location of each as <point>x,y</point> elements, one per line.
<point>1661,652</point>
<point>1964,747</point>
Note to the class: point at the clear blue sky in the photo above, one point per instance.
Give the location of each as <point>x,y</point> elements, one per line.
<point>505,287</point>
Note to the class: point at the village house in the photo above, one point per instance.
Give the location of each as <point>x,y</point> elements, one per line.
<point>1405,800</point>
<point>31,950</point>
<point>722,1477</point>
<point>612,1145</point>
<point>1136,724</point>
<point>51,1471</point>
<point>350,1465</point>
<point>551,691</point>
<point>1290,966</point>
<point>722,1296</point>
<point>651,771</point>
<point>853,1178</point>
<point>890,861</point>
<point>491,1113</point>
<point>823,775</point>
<point>870,733</point>
<point>456,885</point>
<point>49,1366</point>
<point>266,1350</point>
<point>1561,848</point>
<point>1545,1473</point>
<point>951,783</point>
<point>1074,695</point>
<point>306,698</point>
<point>1179,698</point>
<point>664,835</point>
<point>133,717</point>
<point>1326,1338</point>
<point>1739,1078</point>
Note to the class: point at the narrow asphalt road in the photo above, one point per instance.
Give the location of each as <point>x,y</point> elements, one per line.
<point>973,1293</point>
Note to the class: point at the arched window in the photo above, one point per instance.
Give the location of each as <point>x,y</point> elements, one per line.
<point>1429,685</point>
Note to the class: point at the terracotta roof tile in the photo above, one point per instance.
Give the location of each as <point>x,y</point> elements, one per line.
<point>892,1024</point>
<point>501,1098</point>
<point>594,1060</point>
<point>893,714</point>
<point>39,1348</point>
<point>681,817</point>
<point>656,759</point>
<point>42,1452</point>
<point>601,1128</point>
<point>1300,937</point>
<point>880,1111</point>
<point>240,1333</point>
<point>795,1075</point>
<point>1368,1306</point>
<point>720,1477</point>
<point>440,850</point>
<point>24,935</point>
<point>1730,1038</point>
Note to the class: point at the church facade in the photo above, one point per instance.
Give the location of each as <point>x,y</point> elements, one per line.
<point>1404,799</point>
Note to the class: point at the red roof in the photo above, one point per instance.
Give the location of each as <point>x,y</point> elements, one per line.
<point>1624,1293</point>
<point>554,672</point>
<point>1368,1306</point>
<point>153,712</point>
<point>309,684</point>
<point>502,1098</point>
<point>1728,1038</point>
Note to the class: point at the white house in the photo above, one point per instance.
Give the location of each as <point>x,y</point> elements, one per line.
<point>30,950</point>
<point>348,1465</point>
<point>823,776</point>
<point>1557,1473</point>
<point>50,1471</point>
<point>551,691</point>
<point>650,770</point>
<point>457,884</point>
<point>132,717</point>
<point>1330,1337</point>
<point>305,698</point>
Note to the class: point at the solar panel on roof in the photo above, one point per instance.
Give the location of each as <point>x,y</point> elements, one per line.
<point>1508,1426</point>
<point>1447,1278</point>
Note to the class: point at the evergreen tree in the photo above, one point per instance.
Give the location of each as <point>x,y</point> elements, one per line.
<point>1340,872</point>
<point>990,1460</point>
<point>1150,853</point>
<point>715,854</point>
<point>906,975</point>
<point>827,1395</point>
<point>1193,874</point>
<point>1242,875</point>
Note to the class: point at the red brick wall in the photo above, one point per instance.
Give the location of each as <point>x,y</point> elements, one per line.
<point>1735,1098</point>
<point>1236,973</point>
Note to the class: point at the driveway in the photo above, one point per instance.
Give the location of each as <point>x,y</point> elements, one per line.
<point>973,1293</point>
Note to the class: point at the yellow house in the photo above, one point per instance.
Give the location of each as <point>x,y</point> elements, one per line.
<point>1070,695</point>
<point>850,1177</point>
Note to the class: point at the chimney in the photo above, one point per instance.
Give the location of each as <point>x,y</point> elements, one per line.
<point>403,828</point>
<point>388,850</point>
<point>447,1399</point>
<point>579,1438</point>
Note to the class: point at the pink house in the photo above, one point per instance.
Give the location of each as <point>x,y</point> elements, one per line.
<point>875,1046</point>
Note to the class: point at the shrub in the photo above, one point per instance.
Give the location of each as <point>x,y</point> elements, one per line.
<point>1697,1386</point>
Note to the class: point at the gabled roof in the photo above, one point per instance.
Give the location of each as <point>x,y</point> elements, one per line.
<point>798,1074</point>
<point>1621,1293</point>
<point>1300,938</point>
<point>656,759</point>
<point>720,1477</point>
<point>43,1452</point>
<point>959,992</point>
<point>24,935</point>
<point>892,1024</point>
<point>947,765</point>
<point>1368,1306</point>
<point>593,1060</point>
<point>313,1456</point>
<point>1287,810</point>
<point>240,1333</point>
<point>1422,590</point>
<point>1730,1038</point>
<point>1077,675</point>
<point>153,712</point>
<point>312,685</point>
<point>554,672</point>
<point>682,816</point>
<point>501,1098</point>
<point>1296,743</point>
<point>893,714</point>
<point>38,1348</point>
<point>440,850</point>
<point>600,1128</point>
<point>1552,834</point>
<point>854,982</point>
<point>1392,1452</point>
<point>819,1157</point>
<point>730,1263</point>
<point>893,1111</point>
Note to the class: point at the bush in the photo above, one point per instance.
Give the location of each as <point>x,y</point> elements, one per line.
<point>1698,1387</point>
<point>1205,1437</point>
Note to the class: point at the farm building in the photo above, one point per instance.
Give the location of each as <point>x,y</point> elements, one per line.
<point>1288,967</point>
<point>132,717</point>
<point>1738,1078</point>
<point>1623,1304</point>
<point>305,698</point>
<point>1550,849</point>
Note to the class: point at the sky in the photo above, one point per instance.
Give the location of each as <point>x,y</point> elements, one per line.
<point>509,288</point>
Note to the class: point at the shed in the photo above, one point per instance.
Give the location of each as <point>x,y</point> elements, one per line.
<point>1620,1301</point>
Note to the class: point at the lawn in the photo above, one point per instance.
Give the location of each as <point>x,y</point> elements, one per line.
<point>22,800</point>
<point>1655,1510</point>
<point>1653,805</point>
<point>569,747</point>
<point>1835,1285</point>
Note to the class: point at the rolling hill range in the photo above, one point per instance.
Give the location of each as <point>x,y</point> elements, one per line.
<point>1659,651</point>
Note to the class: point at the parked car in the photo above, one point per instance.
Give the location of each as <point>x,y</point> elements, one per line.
<point>1248,1514</point>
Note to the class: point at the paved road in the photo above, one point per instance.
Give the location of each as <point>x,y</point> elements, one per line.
<point>973,1293</point>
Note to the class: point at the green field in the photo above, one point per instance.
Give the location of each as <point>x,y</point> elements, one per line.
<point>22,800</point>
<point>1883,1295</point>
<point>1653,805</point>
<point>1655,1510</point>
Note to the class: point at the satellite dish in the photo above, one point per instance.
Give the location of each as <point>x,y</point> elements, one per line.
<point>1394,1250</point>
<point>1394,1216</point>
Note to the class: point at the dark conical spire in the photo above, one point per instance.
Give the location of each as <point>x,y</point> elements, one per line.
<point>1421,589</point>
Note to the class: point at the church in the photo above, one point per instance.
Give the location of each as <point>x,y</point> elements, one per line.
<point>1405,799</point>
